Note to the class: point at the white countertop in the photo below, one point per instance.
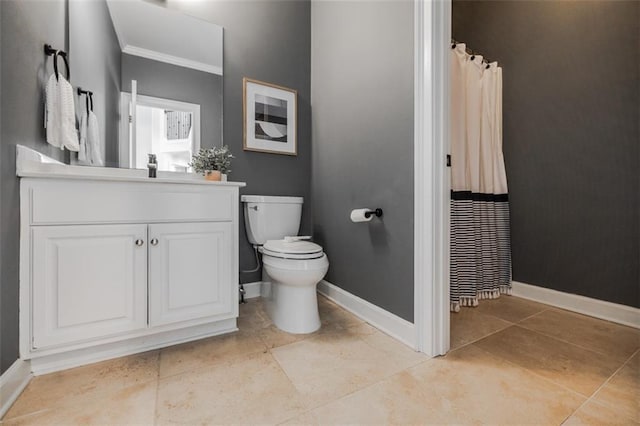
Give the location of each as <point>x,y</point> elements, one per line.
<point>31,163</point>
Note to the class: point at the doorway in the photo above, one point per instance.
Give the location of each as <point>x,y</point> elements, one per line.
<point>168,128</point>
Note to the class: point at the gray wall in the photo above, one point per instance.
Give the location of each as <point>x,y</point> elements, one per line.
<point>571,138</point>
<point>268,41</point>
<point>362,100</point>
<point>94,56</point>
<point>26,27</point>
<point>168,81</point>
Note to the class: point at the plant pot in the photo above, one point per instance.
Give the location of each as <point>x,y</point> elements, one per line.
<point>213,175</point>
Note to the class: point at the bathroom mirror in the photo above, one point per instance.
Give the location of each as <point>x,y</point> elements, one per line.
<point>155,75</point>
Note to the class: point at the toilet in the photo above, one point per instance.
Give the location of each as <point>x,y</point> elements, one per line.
<point>292,264</point>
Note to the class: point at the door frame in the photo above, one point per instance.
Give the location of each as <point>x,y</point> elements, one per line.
<point>432,28</point>
<point>126,151</point>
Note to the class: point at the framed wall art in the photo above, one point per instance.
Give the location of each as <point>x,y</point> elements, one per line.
<point>270,118</point>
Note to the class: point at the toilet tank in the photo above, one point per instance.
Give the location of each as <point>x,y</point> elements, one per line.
<point>271,218</point>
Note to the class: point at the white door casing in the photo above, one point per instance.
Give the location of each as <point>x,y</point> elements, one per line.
<point>432,27</point>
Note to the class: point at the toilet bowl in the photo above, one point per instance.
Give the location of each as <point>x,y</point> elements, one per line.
<point>292,266</point>
<point>291,301</point>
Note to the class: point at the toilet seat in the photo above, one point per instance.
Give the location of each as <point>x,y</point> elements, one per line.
<point>287,249</point>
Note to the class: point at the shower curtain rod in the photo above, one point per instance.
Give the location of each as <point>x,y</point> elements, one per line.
<point>486,60</point>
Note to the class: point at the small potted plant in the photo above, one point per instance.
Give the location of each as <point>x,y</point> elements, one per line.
<point>214,163</point>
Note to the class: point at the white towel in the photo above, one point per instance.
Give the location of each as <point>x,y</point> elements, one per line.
<point>61,118</point>
<point>83,157</point>
<point>93,141</point>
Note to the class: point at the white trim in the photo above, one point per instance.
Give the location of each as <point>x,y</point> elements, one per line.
<point>170,59</point>
<point>613,312</point>
<point>387,322</point>
<point>431,176</point>
<point>124,144</point>
<point>252,290</point>
<point>12,383</point>
<point>89,355</point>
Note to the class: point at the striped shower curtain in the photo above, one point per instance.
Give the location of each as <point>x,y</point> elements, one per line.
<point>480,240</point>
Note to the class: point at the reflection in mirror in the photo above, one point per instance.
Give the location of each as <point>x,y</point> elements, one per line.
<point>167,128</point>
<point>156,76</point>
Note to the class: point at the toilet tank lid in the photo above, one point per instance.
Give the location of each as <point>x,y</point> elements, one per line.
<point>271,199</point>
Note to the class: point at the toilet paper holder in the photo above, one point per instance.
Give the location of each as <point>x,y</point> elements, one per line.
<point>377,212</point>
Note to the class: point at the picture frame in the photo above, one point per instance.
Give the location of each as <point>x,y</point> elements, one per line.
<point>270,118</point>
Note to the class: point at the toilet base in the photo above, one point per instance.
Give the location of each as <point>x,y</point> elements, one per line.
<point>293,309</point>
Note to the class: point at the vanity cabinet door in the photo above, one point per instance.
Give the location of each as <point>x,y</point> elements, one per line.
<point>88,282</point>
<point>190,272</point>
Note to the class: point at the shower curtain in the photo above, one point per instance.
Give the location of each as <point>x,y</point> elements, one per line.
<point>480,240</point>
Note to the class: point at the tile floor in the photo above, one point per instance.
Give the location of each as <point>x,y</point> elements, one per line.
<point>512,362</point>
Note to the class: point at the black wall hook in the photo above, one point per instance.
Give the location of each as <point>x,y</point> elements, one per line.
<point>377,212</point>
<point>89,97</point>
<point>49,51</point>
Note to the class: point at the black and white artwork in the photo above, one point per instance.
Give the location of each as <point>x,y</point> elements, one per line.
<point>269,118</point>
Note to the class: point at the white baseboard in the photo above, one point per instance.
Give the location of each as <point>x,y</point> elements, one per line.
<point>387,322</point>
<point>12,383</point>
<point>45,364</point>
<point>613,312</point>
<point>252,290</point>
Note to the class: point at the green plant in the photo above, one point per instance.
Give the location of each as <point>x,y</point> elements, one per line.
<point>212,159</point>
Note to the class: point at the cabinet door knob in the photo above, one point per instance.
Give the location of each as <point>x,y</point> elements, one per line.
<point>139,242</point>
<point>154,242</point>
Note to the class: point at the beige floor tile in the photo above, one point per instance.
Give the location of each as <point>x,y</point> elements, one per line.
<point>307,418</point>
<point>332,315</point>
<point>273,337</point>
<point>615,340</point>
<point>134,405</point>
<point>470,324</point>
<point>328,366</point>
<point>207,352</point>
<point>349,372</point>
<point>389,346</point>
<point>566,364</point>
<point>83,383</point>
<point>623,390</point>
<point>248,390</point>
<point>253,315</point>
<point>593,413</point>
<point>468,386</point>
<point>510,308</point>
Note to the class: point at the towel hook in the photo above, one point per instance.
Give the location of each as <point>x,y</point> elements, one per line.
<point>89,97</point>
<point>49,51</point>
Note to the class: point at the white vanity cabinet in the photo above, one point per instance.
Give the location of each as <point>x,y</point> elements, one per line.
<point>113,267</point>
